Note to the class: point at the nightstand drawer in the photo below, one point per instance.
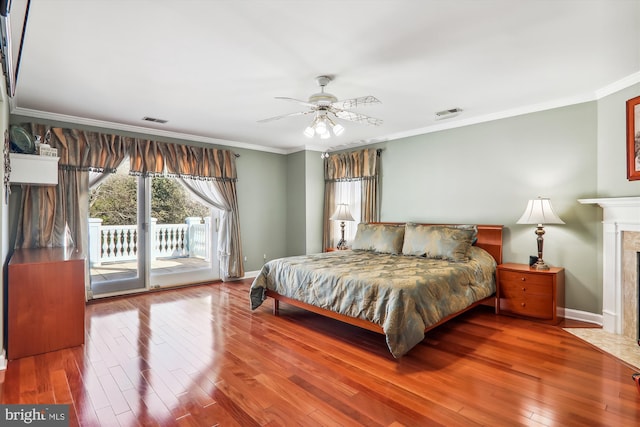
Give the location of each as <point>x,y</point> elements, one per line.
<point>510,287</point>
<point>532,305</point>
<point>541,280</point>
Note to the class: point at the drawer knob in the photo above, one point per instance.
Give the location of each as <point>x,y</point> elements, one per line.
<point>523,304</point>
<point>523,279</point>
<point>524,289</point>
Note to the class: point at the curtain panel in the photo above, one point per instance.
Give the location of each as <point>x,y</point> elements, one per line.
<point>53,216</point>
<point>361,165</point>
<point>57,216</point>
<point>216,169</point>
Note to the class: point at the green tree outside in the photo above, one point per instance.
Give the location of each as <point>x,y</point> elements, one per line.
<point>114,201</point>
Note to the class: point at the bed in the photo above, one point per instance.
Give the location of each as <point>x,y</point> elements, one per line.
<point>400,280</point>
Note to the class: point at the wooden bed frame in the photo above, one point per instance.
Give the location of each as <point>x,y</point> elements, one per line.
<point>489,239</point>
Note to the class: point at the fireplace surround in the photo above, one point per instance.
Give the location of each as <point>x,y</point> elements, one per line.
<point>620,248</point>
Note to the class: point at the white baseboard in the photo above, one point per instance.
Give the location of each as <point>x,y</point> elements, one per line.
<point>583,316</point>
<point>3,360</point>
<point>247,275</point>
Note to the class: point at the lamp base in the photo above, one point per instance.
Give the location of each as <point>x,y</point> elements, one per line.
<point>342,245</point>
<point>540,265</point>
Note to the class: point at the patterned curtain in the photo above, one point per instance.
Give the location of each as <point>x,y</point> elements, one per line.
<point>57,216</point>
<point>217,169</point>
<point>363,166</point>
<point>222,195</point>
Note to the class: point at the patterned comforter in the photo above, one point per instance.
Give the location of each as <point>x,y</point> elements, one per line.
<point>402,294</point>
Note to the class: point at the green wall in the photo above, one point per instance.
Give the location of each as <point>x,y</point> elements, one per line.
<point>486,173</point>
<point>296,237</point>
<point>314,200</point>
<point>262,200</point>
<point>482,173</point>
<point>612,146</point>
<point>305,198</point>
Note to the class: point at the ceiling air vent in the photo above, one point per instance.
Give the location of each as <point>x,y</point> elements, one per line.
<point>447,114</point>
<point>153,119</point>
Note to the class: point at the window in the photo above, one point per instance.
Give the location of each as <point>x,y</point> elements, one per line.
<point>348,192</point>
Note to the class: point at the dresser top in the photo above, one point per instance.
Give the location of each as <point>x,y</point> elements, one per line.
<point>44,255</point>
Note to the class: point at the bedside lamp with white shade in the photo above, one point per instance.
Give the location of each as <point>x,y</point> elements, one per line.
<point>539,211</point>
<point>342,214</point>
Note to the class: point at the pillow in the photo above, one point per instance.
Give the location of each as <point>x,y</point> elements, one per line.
<point>447,242</point>
<point>474,228</point>
<point>382,238</point>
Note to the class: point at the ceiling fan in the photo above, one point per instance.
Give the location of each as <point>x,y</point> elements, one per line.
<point>326,107</point>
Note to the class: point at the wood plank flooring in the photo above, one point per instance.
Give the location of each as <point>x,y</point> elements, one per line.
<point>199,357</point>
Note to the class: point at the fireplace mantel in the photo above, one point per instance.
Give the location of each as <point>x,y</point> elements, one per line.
<point>620,214</point>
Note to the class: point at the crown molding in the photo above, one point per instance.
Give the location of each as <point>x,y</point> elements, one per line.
<point>36,114</point>
<point>437,127</point>
<point>527,109</point>
<point>518,111</point>
<point>618,85</point>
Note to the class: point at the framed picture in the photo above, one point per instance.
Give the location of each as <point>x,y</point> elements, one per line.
<point>633,139</point>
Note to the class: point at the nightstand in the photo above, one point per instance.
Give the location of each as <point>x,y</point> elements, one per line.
<point>536,294</point>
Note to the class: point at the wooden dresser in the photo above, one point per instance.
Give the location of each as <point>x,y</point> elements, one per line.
<point>46,301</point>
<point>537,294</point>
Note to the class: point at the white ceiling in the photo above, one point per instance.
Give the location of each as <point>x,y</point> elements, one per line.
<point>213,68</point>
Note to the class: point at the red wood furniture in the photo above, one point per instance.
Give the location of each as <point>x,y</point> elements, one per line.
<point>46,301</point>
<point>525,292</point>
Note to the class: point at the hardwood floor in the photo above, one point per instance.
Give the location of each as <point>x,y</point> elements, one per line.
<point>199,357</point>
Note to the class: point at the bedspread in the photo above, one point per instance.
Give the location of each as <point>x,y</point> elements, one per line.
<point>402,294</point>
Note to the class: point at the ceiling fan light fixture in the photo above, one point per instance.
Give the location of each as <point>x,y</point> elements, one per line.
<point>309,132</point>
<point>321,128</point>
<point>337,129</point>
<point>326,108</point>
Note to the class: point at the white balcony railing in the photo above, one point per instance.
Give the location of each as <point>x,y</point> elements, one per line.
<point>119,243</point>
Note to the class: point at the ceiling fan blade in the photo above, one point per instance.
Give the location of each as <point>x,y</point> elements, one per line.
<point>299,113</point>
<point>357,117</point>
<point>356,102</point>
<point>297,101</point>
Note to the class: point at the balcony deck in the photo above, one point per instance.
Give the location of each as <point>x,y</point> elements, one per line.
<point>128,269</point>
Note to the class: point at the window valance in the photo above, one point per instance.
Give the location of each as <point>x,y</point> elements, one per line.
<point>354,165</point>
<point>150,158</point>
<point>87,150</point>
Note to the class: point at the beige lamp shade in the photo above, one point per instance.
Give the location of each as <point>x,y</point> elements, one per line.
<point>342,213</point>
<point>539,211</point>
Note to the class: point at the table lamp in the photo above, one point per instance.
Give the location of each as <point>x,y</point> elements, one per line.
<point>342,214</point>
<point>539,211</point>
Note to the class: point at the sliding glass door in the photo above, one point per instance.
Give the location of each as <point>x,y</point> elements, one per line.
<point>117,234</point>
<point>183,236</point>
<point>147,233</point>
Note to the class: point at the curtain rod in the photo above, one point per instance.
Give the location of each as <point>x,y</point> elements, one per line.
<point>326,153</point>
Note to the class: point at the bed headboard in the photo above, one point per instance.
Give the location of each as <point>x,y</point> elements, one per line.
<point>489,238</point>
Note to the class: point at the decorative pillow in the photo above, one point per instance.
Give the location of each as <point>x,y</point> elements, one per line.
<point>382,238</point>
<point>447,242</point>
<point>472,227</point>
